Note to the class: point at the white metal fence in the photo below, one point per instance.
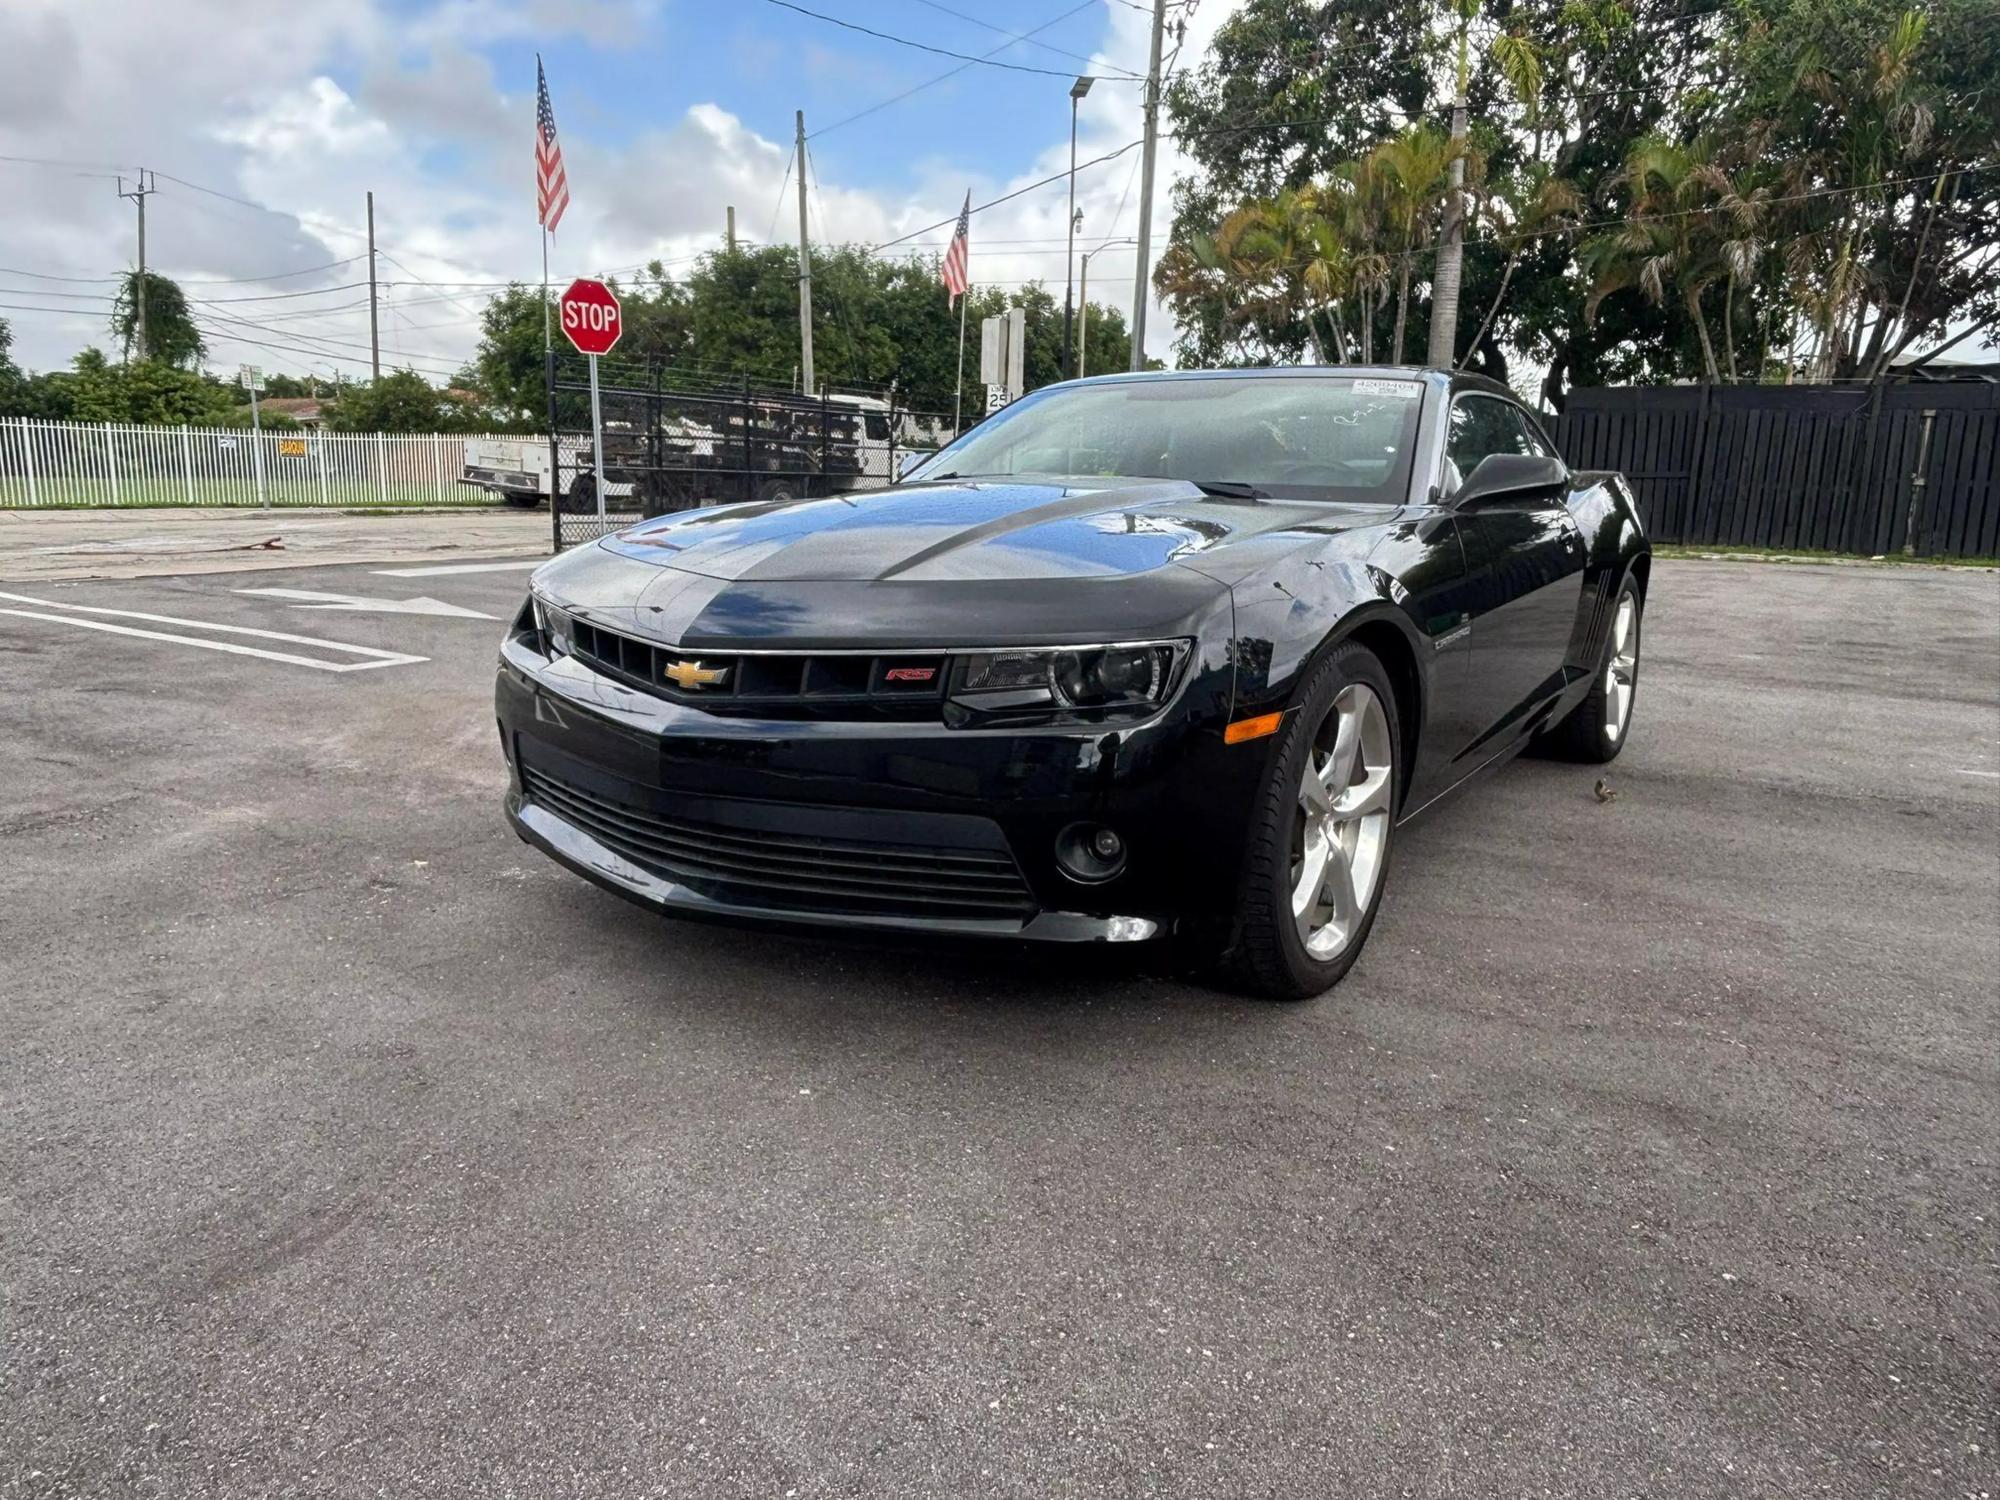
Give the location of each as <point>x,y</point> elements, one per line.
<point>106,463</point>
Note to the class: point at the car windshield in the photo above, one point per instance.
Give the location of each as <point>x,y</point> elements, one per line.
<point>1305,437</point>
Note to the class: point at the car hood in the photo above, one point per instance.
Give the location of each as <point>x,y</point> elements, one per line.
<point>973,531</point>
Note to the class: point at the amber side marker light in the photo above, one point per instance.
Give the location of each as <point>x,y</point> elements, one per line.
<point>1251,729</point>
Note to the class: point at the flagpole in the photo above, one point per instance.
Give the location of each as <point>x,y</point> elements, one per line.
<point>958,401</point>
<point>545,292</point>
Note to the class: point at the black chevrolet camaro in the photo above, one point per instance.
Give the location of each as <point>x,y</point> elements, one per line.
<point>1144,656</point>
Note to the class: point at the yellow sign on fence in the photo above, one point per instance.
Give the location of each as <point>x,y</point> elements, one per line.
<point>291,447</point>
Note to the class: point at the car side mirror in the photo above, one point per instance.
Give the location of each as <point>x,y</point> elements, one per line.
<point>1509,476</point>
<point>907,461</point>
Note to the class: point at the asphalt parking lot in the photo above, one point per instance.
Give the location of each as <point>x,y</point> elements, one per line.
<point>352,1148</point>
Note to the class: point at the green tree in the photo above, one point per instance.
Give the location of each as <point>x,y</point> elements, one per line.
<point>401,401</point>
<point>508,369</point>
<point>171,335</point>
<point>1304,94</point>
<point>1889,120</point>
<point>13,380</point>
<point>147,391</point>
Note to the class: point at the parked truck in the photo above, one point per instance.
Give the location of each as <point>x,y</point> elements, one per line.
<point>693,451</point>
<point>513,469</point>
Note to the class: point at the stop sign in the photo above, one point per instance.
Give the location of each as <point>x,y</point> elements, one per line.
<point>591,316</point>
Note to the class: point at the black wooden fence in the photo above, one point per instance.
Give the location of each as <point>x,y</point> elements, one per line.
<point>1912,469</point>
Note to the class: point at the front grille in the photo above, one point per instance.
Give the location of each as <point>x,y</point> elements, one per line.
<point>827,685</point>
<point>789,871</point>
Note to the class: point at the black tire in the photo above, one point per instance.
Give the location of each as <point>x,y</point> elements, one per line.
<point>772,490</point>
<point>1266,956</point>
<point>1584,735</point>
<point>582,496</point>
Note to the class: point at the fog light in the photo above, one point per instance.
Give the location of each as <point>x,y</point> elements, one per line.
<point>1090,852</point>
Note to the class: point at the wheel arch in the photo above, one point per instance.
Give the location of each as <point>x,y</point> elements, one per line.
<point>1386,632</point>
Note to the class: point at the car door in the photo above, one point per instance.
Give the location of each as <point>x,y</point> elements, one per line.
<point>1524,561</point>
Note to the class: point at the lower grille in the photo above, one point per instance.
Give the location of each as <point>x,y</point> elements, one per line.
<point>792,872</point>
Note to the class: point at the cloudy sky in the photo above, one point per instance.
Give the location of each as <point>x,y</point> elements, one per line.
<point>267,124</point>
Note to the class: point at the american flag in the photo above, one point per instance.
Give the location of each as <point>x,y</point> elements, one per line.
<point>957,258</point>
<point>551,183</point>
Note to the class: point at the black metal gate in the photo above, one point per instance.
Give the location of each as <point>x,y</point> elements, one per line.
<point>673,441</point>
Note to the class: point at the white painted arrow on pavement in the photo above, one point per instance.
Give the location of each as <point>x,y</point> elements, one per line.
<point>422,605</point>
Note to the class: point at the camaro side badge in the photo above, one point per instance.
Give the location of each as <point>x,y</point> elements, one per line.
<point>692,674</point>
<point>1464,629</point>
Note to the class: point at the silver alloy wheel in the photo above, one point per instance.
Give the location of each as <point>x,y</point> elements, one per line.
<point>1621,673</point>
<point>1342,831</point>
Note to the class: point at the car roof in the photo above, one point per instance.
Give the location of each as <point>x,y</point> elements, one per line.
<point>1429,375</point>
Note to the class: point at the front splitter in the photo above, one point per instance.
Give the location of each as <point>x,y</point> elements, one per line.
<point>578,851</point>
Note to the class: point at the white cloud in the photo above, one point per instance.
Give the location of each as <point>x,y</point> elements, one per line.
<point>244,101</point>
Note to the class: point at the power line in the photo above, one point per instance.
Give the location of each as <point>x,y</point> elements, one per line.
<point>28,291</point>
<point>43,276</point>
<point>345,286</point>
<point>332,265</point>
<point>1006,197</point>
<point>881,104</point>
<point>903,41</point>
<point>1023,36</point>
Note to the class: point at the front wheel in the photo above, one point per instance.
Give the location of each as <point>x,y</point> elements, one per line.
<point>1596,728</point>
<point>1320,833</point>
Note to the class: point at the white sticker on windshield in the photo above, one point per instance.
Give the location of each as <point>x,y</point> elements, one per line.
<point>1409,390</point>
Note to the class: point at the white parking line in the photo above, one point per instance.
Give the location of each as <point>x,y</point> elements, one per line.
<point>376,658</point>
<point>443,568</point>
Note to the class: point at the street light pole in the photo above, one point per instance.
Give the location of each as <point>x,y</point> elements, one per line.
<point>1076,92</point>
<point>1083,307</point>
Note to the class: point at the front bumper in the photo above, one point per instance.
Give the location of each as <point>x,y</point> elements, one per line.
<point>638,794</point>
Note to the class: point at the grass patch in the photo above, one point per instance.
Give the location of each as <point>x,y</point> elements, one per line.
<point>1807,555</point>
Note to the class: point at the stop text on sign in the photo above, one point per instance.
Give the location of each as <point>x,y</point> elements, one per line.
<point>591,317</point>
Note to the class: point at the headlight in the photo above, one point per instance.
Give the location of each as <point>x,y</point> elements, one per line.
<point>1125,678</point>
<point>554,626</point>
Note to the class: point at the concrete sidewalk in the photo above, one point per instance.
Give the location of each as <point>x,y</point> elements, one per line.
<point>37,545</point>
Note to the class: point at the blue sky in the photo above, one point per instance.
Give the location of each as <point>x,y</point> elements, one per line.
<point>268,125</point>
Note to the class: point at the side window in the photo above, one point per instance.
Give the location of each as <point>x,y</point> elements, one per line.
<point>1480,425</point>
<point>1537,444</point>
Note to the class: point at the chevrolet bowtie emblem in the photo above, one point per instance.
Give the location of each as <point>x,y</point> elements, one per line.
<point>692,674</point>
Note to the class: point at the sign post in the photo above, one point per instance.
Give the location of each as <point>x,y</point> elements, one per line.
<point>593,321</point>
<point>1003,348</point>
<point>252,380</point>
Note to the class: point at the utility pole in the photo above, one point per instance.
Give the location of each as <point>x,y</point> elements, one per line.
<point>1451,247</point>
<point>1139,277</point>
<point>374,329</point>
<point>144,187</point>
<point>731,237</point>
<point>805,270</point>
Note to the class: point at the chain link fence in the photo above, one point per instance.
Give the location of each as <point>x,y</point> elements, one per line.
<point>673,441</point>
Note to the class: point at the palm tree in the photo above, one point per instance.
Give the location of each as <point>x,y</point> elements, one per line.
<point>1666,243</point>
<point>1533,203</point>
<point>1408,176</point>
<point>1880,122</point>
<point>1740,224</point>
<point>1276,265</point>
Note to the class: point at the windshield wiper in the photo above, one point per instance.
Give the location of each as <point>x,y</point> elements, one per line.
<point>1234,489</point>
